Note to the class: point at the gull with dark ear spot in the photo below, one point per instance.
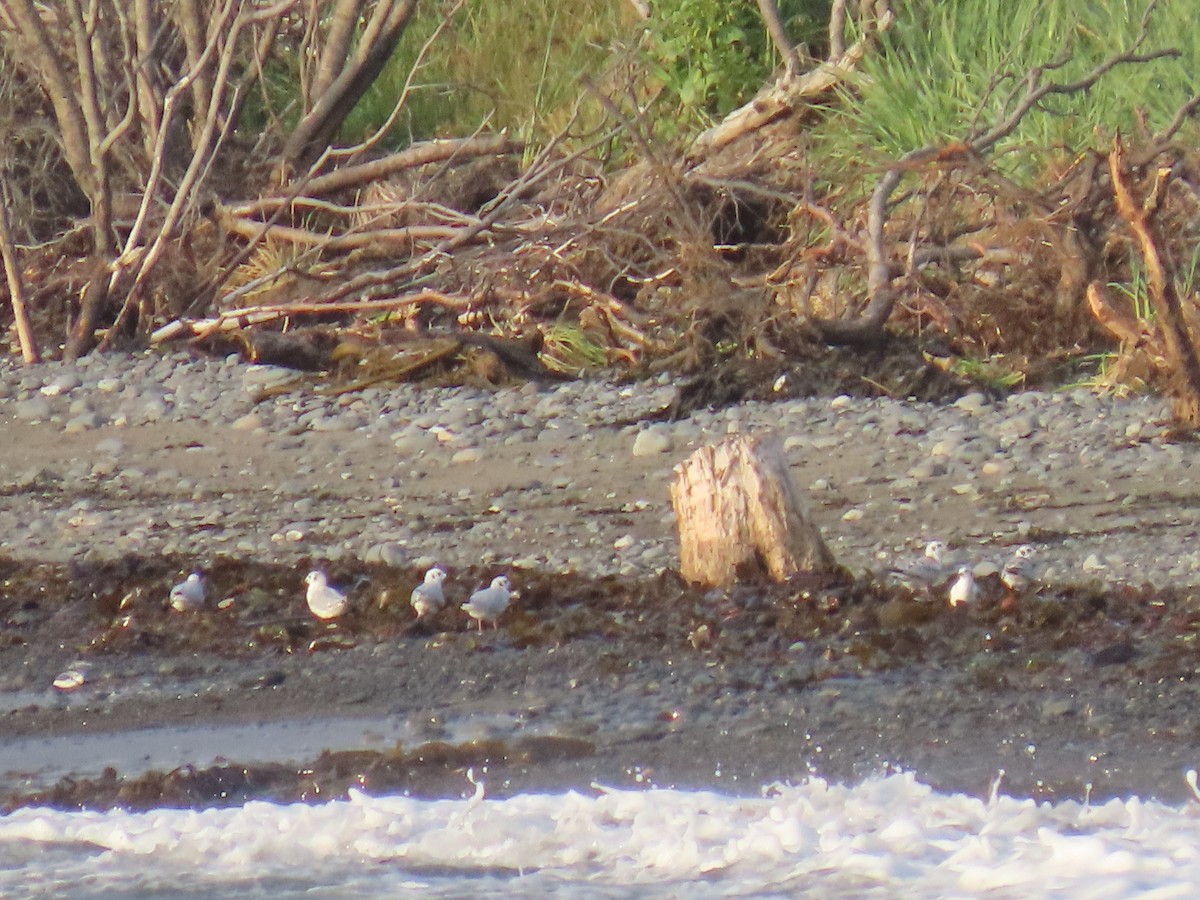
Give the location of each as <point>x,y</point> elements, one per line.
<point>324,601</point>
<point>428,598</point>
<point>489,603</point>
<point>1020,571</point>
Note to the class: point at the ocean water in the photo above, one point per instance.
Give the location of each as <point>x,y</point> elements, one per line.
<point>885,837</point>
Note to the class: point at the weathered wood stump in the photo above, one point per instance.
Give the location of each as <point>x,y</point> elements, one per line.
<point>740,514</point>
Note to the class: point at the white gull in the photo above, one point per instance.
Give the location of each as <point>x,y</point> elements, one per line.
<point>963,591</point>
<point>324,601</point>
<point>428,597</point>
<point>188,595</point>
<point>489,603</point>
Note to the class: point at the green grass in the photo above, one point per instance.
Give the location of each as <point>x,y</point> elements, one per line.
<point>707,57</point>
<point>510,65</point>
<point>951,67</point>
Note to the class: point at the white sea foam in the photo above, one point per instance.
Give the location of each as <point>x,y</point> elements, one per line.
<point>886,837</point>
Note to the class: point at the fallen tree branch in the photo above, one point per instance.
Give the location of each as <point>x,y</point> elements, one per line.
<point>375,170</point>
<point>237,319</point>
<point>1160,282</point>
<point>385,239</point>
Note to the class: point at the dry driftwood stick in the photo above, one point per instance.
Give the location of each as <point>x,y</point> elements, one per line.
<point>739,513</point>
<point>236,319</point>
<point>417,155</point>
<point>16,289</point>
<point>1181,351</point>
<point>384,238</point>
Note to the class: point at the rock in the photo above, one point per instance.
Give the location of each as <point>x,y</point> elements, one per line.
<point>650,441</point>
<point>84,422</point>
<point>972,404</point>
<point>62,384</point>
<point>110,447</point>
<point>251,421</point>
<point>256,379</point>
<point>35,409</point>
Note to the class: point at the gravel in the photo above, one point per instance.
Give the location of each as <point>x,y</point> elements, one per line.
<point>169,454</point>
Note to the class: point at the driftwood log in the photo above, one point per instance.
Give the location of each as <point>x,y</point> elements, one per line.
<point>740,515</point>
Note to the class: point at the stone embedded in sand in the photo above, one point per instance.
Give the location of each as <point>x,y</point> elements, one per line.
<point>652,441</point>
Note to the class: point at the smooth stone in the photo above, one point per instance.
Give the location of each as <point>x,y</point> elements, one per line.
<point>973,403</point>
<point>62,384</point>
<point>84,422</point>
<point>249,422</point>
<point>110,447</point>
<point>35,409</point>
<point>651,441</point>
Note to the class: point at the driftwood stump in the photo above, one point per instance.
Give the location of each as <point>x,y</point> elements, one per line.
<point>739,514</point>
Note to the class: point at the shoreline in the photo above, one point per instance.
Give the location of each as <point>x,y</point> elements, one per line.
<point>182,468</point>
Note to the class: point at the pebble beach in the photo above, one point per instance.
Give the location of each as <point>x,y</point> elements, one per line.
<point>206,458</point>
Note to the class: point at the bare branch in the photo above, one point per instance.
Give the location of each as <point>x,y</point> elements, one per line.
<point>401,101</point>
<point>343,20</point>
<point>1037,90</point>
<point>16,289</point>
<point>317,128</point>
<point>867,328</point>
<point>779,37</point>
<point>191,25</point>
<point>837,29</point>
<point>416,155</point>
<point>52,70</point>
<point>1181,352</point>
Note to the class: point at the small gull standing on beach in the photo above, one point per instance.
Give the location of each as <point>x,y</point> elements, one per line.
<point>489,603</point>
<point>963,590</point>
<point>188,595</point>
<point>428,597</point>
<point>324,601</point>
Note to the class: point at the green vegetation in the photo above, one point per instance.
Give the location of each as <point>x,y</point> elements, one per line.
<point>952,68</point>
<point>512,66</point>
<point>710,56</point>
<point>992,251</point>
<point>518,65</point>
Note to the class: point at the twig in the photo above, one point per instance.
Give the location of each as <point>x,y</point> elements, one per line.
<point>16,291</point>
<point>411,235</point>
<point>417,155</point>
<point>235,319</point>
<point>783,44</point>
